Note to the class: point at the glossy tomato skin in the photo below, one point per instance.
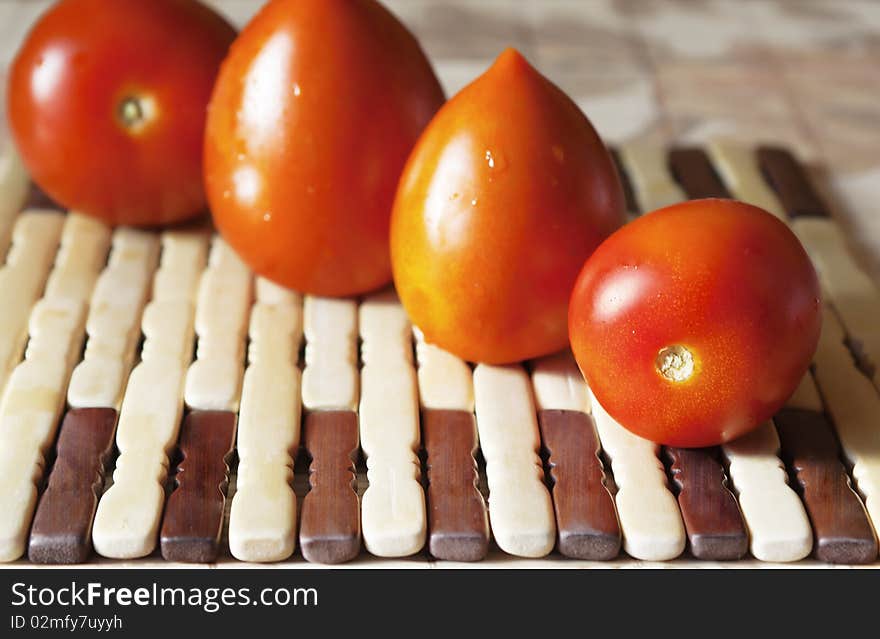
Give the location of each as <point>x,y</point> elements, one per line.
<point>67,84</point>
<point>727,281</point>
<point>506,194</point>
<point>311,121</point>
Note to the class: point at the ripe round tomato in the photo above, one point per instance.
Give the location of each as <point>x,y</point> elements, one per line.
<point>312,118</point>
<point>695,323</point>
<point>506,194</point>
<point>107,102</point>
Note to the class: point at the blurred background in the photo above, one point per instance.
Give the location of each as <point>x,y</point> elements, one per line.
<point>803,73</point>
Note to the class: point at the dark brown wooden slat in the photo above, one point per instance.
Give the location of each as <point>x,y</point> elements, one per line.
<point>840,523</point>
<point>458,523</point>
<point>629,193</point>
<point>711,515</point>
<point>694,172</point>
<point>586,518</point>
<point>330,530</point>
<point>790,181</point>
<point>193,518</point>
<point>62,527</point>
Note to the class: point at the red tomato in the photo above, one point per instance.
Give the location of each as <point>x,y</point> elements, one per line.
<point>107,105</point>
<point>695,323</point>
<point>311,121</point>
<point>504,197</point>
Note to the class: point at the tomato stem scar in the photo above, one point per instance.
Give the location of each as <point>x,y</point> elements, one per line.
<point>134,112</point>
<point>675,363</point>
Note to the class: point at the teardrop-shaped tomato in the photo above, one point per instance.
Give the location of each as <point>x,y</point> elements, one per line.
<point>313,115</point>
<point>506,194</point>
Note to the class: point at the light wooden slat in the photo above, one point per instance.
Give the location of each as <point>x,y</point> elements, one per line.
<point>393,507</point>
<point>852,293</point>
<point>559,385</point>
<point>778,525</point>
<point>262,518</point>
<point>854,406</point>
<point>127,520</point>
<point>737,167</point>
<point>520,508</point>
<point>649,516</point>
<point>113,323</point>
<point>35,239</point>
<point>213,381</point>
<point>62,526</point>
<point>649,174</point>
<point>34,398</point>
<point>330,378</point>
<point>330,531</point>
<point>445,381</point>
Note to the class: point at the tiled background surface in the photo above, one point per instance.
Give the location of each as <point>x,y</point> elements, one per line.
<point>801,72</point>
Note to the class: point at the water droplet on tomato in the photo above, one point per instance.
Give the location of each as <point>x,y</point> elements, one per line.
<point>267,216</point>
<point>495,160</point>
<point>474,202</point>
<point>297,91</point>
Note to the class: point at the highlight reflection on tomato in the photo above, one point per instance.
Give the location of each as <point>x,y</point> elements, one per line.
<point>695,323</point>
<point>312,118</point>
<point>506,194</point>
<point>107,103</point>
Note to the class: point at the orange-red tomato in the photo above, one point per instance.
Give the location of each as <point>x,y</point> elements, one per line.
<point>695,323</point>
<point>107,105</point>
<point>314,113</point>
<point>506,194</point>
